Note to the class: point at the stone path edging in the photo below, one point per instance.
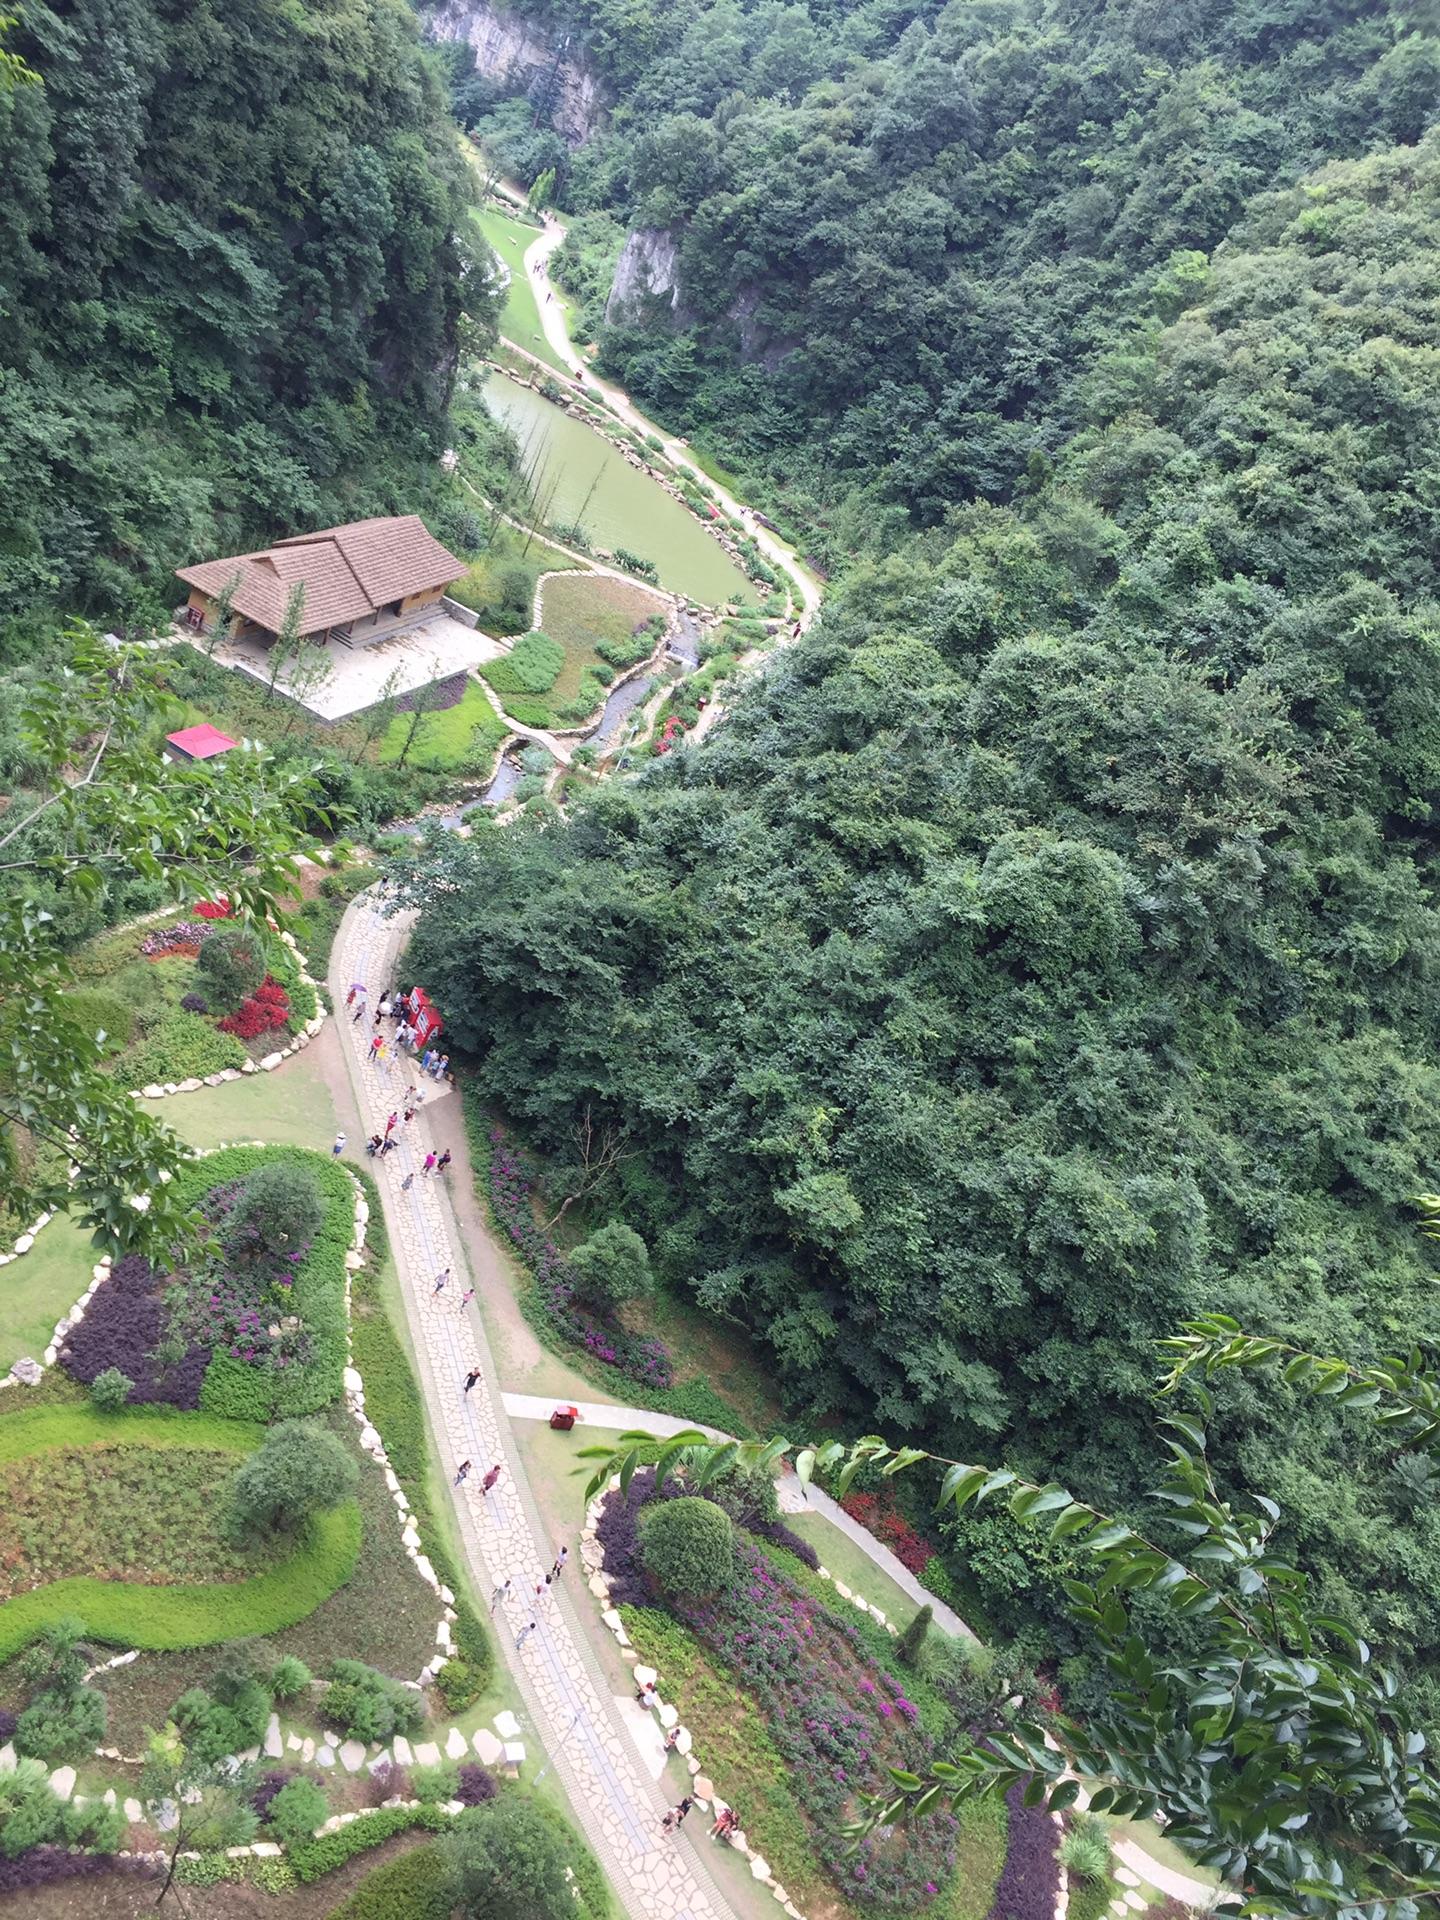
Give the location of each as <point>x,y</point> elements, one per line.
<point>570,1704</point>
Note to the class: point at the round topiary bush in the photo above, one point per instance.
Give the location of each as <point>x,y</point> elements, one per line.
<point>688,1546</point>
<point>277,1214</point>
<point>231,965</point>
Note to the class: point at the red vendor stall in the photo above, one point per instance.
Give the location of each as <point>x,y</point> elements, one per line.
<point>426,1020</point>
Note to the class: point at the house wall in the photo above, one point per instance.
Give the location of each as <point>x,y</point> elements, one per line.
<point>431,597</point>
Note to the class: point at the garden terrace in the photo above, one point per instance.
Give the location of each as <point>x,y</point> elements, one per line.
<point>797,1717</point>
<point>256,1341</point>
<point>591,627</point>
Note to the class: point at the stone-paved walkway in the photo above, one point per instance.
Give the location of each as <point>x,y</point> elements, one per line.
<point>655,1876</point>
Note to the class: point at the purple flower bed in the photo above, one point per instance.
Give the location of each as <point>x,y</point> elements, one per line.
<point>123,1326</point>
<point>629,1353</point>
<point>185,933</point>
<point>1029,1883</point>
<point>839,1719</point>
<point>443,694</point>
<point>44,1866</point>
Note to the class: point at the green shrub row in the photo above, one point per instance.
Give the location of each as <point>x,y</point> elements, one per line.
<point>319,1857</point>
<point>414,1887</point>
<point>284,966</point>
<point>44,1429</point>
<point>182,1046</point>
<point>242,1392</point>
<point>166,1618</point>
<point>395,1409</point>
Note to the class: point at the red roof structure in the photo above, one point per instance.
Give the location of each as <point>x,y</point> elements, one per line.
<point>199,743</point>
<point>347,572</point>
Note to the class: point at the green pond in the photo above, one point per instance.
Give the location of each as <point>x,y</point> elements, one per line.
<point>624,508</point>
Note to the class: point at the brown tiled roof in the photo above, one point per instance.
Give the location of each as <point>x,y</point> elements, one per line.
<point>347,572</point>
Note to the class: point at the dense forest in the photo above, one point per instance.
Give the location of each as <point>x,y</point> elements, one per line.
<point>232,266</point>
<point>1046,946</point>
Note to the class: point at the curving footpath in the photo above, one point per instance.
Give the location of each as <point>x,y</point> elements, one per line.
<point>569,1704</point>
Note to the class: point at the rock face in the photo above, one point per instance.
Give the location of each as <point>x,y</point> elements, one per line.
<point>648,270</point>
<point>547,66</point>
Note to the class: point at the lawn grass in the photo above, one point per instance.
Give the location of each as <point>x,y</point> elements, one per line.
<point>41,1286</point>
<point>289,1107</point>
<point>519,316</point>
<point>582,609</point>
<point>459,739</point>
<point>500,584</point>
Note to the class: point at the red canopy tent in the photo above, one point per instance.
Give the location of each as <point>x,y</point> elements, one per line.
<point>425,1019</point>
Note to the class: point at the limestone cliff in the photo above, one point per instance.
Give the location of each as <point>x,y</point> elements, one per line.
<point>648,270</point>
<point>525,55</point>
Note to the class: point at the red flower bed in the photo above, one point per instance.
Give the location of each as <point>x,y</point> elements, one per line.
<point>267,1007</point>
<point>881,1517</point>
<point>213,909</point>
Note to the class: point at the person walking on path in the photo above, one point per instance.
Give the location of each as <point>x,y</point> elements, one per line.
<point>461,1472</point>
<point>359,1013</point>
<point>374,1144</point>
<point>442,1165</point>
<point>426,1058</point>
<point>409,1113</point>
<point>388,1144</point>
<point>677,1813</point>
<point>392,1122</point>
<point>355,987</point>
<point>383,1009</point>
<point>429,1166</point>
<point>471,1377</point>
<point>376,1043</point>
<point>561,1557</point>
<point>466,1298</point>
<point>501,1593</point>
<point>524,1634</point>
<point>408,1181</point>
<point>339,1146</point>
<point>491,1477</point>
<point>441,1280</point>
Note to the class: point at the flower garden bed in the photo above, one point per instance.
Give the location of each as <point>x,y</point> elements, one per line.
<point>254,1344</point>
<point>634,1355</point>
<point>797,1712</point>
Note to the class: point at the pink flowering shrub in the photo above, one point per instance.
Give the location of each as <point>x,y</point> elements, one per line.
<point>629,1353</point>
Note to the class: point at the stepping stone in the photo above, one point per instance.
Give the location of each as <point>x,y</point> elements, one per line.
<point>506,1725</point>
<point>1125,1877</point>
<point>62,1781</point>
<point>274,1745</point>
<point>292,1743</point>
<point>108,1798</point>
<point>324,1756</point>
<point>456,1745</point>
<point>134,1812</point>
<point>307,1750</point>
<point>427,1754</point>
<point>1118,1907</point>
<point>759,1868</point>
<point>669,1715</point>
<point>1135,1901</point>
<point>166,1817</point>
<point>404,1757</point>
<point>515,1753</point>
<point>704,1786</point>
<point>352,1755</point>
<point>382,1759</point>
<point>645,1675</point>
<point>8,1762</point>
<point>683,1742</point>
<point>487,1748</point>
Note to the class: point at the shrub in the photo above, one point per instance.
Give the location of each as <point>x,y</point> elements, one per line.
<point>912,1640</point>
<point>207,1870</point>
<point>63,1723</point>
<point>231,964</point>
<point>1085,1849</point>
<point>273,1876</point>
<point>276,1216</point>
<point>936,1578</point>
<point>100,1012</point>
<point>384,1782</point>
<point>181,1047</point>
<point>296,1811</point>
<point>688,1546</point>
<point>435,1783</point>
<point>458,1685</point>
<point>111,1389</point>
<point>301,1469</point>
<point>508,1863</point>
<point>213,1728</point>
<point>290,1678</point>
<point>534,662</point>
<point>195,1003</point>
<point>475,1786</point>
<point>271,1784</point>
<point>417,1886</point>
<point>1030,1879</point>
<point>369,1704</point>
<point>267,1008</point>
<point>121,1332</point>
<point>316,1857</point>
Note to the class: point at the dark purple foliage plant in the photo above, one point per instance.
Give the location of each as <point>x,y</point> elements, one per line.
<point>477,1785</point>
<point>1029,1882</point>
<point>46,1866</point>
<point>123,1327</point>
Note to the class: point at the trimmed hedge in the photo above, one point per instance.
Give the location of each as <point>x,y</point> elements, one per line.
<point>182,1046</point>
<point>319,1857</point>
<point>162,1619</point>
<point>414,1887</point>
<point>241,1392</point>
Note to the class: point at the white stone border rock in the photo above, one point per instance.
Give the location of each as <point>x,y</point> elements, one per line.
<point>271,1060</point>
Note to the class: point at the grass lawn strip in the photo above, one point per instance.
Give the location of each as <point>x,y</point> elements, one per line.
<point>580,609</point>
<point>458,739</point>
<point>42,1286</point>
<point>520,316</point>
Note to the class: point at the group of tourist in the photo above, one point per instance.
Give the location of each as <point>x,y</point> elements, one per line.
<point>403,1010</point>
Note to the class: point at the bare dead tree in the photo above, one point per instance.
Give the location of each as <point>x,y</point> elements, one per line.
<point>600,1150</point>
